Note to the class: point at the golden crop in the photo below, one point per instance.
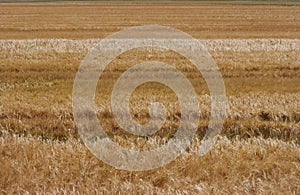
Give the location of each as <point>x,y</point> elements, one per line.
<point>257,152</point>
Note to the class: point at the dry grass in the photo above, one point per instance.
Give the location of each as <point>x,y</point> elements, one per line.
<point>256,165</point>
<point>44,76</point>
<point>258,152</point>
<point>36,101</point>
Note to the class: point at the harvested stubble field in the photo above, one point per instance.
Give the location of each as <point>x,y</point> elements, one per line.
<point>257,49</point>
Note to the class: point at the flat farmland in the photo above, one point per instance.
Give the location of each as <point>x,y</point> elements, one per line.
<point>81,21</point>
<point>256,47</point>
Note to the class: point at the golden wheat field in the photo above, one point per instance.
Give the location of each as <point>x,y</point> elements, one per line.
<point>256,47</point>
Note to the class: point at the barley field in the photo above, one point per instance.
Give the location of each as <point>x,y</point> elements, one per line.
<point>256,47</point>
